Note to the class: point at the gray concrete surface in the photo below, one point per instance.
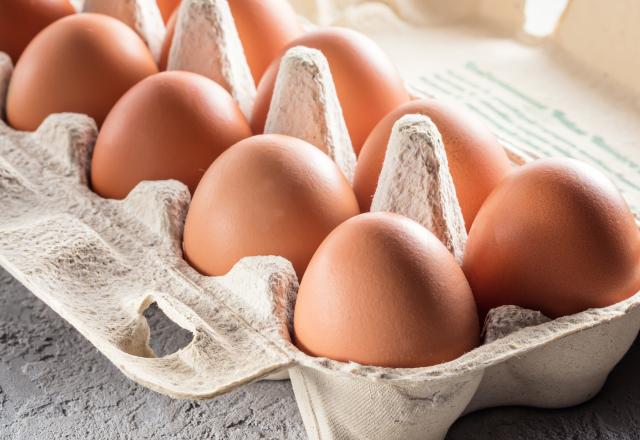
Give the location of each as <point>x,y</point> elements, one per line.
<point>55,385</point>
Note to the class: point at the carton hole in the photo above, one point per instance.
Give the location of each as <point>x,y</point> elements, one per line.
<point>165,336</point>
<point>541,17</point>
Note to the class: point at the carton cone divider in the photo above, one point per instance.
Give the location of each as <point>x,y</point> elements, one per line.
<point>415,182</point>
<point>305,105</point>
<point>206,41</point>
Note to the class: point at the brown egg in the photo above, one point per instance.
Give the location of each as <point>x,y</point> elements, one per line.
<point>82,63</point>
<point>382,290</point>
<point>264,26</point>
<point>21,20</point>
<point>476,161</point>
<point>167,7</point>
<point>172,125</point>
<point>367,83</point>
<point>168,39</point>
<point>555,236</point>
<point>266,195</point>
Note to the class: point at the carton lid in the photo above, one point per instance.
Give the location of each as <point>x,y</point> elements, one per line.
<point>572,93</point>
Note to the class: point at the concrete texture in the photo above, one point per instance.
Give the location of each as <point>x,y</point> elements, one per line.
<point>55,385</point>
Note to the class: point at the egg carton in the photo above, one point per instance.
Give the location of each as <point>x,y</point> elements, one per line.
<point>101,263</point>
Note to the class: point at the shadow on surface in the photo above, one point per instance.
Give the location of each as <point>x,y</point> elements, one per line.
<point>614,413</point>
<point>55,384</point>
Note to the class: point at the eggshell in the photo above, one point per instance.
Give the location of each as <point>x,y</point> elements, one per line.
<point>368,84</point>
<point>382,290</point>
<point>476,161</point>
<point>168,38</point>
<point>266,195</point>
<point>167,7</point>
<point>21,20</point>
<point>82,63</point>
<point>264,27</point>
<point>555,236</point>
<point>172,125</point>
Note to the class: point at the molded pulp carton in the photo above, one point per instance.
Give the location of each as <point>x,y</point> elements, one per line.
<point>100,263</point>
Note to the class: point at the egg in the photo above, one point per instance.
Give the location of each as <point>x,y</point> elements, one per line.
<point>266,195</point>
<point>555,236</point>
<point>476,161</point>
<point>167,7</point>
<point>168,39</point>
<point>264,27</point>
<point>82,63</point>
<point>382,290</point>
<point>172,125</point>
<point>367,82</point>
<point>21,20</point>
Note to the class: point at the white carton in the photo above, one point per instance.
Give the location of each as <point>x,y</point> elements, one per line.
<point>100,263</point>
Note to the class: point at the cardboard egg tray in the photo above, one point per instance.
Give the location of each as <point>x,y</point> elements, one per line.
<point>100,263</point>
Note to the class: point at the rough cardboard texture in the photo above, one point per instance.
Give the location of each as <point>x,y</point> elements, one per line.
<point>100,263</point>
<point>341,407</point>
<point>415,182</point>
<point>304,81</point>
<point>504,320</point>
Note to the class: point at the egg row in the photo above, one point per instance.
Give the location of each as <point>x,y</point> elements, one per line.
<point>376,288</point>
